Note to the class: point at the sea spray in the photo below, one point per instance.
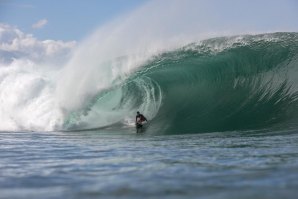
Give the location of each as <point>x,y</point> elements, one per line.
<point>27,99</point>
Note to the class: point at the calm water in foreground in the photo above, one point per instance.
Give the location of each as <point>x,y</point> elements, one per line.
<point>126,165</point>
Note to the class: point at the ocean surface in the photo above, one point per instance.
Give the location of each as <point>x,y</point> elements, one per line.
<point>96,164</point>
<point>223,123</point>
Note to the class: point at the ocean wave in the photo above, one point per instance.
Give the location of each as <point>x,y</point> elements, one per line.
<point>221,84</point>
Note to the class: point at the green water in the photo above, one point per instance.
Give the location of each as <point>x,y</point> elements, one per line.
<point>222,84</point>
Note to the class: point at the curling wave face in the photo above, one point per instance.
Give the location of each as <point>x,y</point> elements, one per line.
<point>220,84</point>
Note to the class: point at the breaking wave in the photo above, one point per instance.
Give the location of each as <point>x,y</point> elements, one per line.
<point>220,84</point>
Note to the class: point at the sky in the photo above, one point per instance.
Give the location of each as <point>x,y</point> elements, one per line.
<point>62,19</point>
<point>74,19</point>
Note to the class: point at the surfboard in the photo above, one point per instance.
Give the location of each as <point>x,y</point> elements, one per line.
<point>140,126</point>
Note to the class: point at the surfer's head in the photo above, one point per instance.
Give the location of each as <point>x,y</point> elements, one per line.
<point>138,113</point>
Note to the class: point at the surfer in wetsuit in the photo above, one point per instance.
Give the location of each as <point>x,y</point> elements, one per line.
<point>140,118</point>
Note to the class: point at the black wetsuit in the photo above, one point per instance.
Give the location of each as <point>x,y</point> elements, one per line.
<point>141,119</point>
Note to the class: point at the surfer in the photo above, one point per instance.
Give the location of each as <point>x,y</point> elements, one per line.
<point>140,118</point>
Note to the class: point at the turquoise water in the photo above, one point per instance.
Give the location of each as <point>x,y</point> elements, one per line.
<point>221,84</point>
<point>97,164</point>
